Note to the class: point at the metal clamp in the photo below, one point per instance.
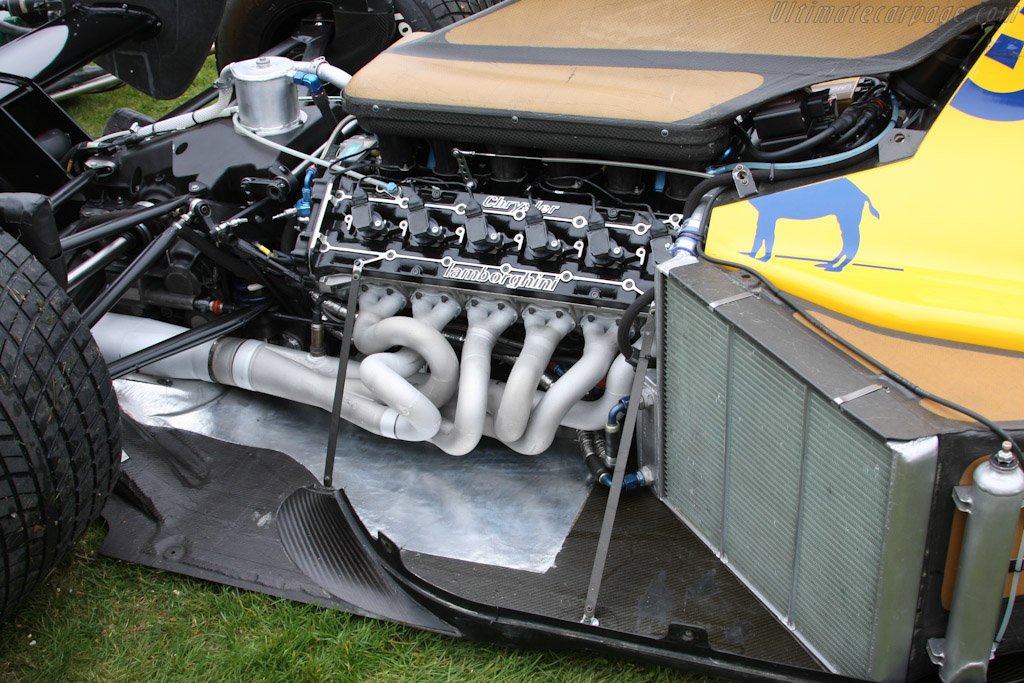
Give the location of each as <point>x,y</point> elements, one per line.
<point>730,299</point>
<point>846,398</point>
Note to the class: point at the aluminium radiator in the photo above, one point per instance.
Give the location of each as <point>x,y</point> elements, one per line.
<point>808,475</point>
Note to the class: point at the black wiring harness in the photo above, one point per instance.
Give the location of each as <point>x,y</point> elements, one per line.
<point>850,129</point>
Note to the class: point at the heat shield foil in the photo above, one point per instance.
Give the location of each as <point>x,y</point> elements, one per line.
<point>492,507</point>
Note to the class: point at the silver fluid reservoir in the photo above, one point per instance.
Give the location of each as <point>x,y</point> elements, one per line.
<point>268,99</point>
<point>993,504</point>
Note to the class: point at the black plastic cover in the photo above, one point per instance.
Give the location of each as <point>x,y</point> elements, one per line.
<point>29,217</point>
<point>163,65</point>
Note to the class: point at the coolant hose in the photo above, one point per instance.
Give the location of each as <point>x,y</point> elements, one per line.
<point>544,329</point>
<point>325,72</point>
<point>616,415</point>
<point>593,461</point>
<point>778,172</point>
<point>487,320</point>
<point>624,337</point>
<point>598,351</point>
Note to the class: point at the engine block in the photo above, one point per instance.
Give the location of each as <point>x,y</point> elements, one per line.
<point>418,232</point>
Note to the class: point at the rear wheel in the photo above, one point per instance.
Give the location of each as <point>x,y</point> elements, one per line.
<point>60,429</point>
<point>251,27</point>
<point>430,15</point>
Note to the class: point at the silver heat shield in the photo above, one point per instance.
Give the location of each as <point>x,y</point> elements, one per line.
<point>492,507</point>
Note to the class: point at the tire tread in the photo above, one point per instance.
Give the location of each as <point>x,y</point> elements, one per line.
<point>60,433</point>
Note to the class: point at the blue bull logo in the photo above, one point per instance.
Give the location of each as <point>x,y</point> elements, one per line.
<point>839,198</point>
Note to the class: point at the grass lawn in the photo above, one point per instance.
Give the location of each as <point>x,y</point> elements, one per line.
<point>96,619</point>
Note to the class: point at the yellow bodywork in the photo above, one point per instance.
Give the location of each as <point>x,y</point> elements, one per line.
<point>945,256</point>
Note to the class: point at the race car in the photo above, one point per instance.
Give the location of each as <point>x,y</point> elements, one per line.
<point>681,331</point>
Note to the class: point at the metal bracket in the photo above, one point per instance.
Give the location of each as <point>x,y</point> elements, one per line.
<point>625,441</point>
<point>339,387</point>
<point>963,498</point>
<point>899,144</point>
<point>464,172</point>
<point>937,650</point>
<point>744,181</point>
<point>103,167</point>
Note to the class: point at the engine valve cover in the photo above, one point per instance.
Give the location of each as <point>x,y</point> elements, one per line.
<point>534,247</point>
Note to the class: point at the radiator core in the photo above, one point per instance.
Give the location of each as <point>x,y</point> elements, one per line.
<point>821,516</point>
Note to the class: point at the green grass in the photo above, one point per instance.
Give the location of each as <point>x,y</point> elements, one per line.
<point>96,619</point>
<point>92,111</point>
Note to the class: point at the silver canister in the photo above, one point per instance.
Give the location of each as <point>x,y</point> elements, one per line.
<point>993,504</point>
<point>268,99</point>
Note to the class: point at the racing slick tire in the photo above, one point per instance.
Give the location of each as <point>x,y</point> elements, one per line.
<point>251,27</point>
<point>60,429</point>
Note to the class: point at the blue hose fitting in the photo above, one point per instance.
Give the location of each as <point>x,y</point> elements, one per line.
<point>630,482</point>
<point>616,415</point>
<point>304,207</point>
<point>310,81</point>
<point>633,481</point>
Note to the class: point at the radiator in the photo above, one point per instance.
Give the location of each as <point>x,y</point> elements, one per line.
<point>820,506</point>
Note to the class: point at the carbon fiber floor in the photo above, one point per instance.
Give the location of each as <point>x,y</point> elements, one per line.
<point>658,574</point>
